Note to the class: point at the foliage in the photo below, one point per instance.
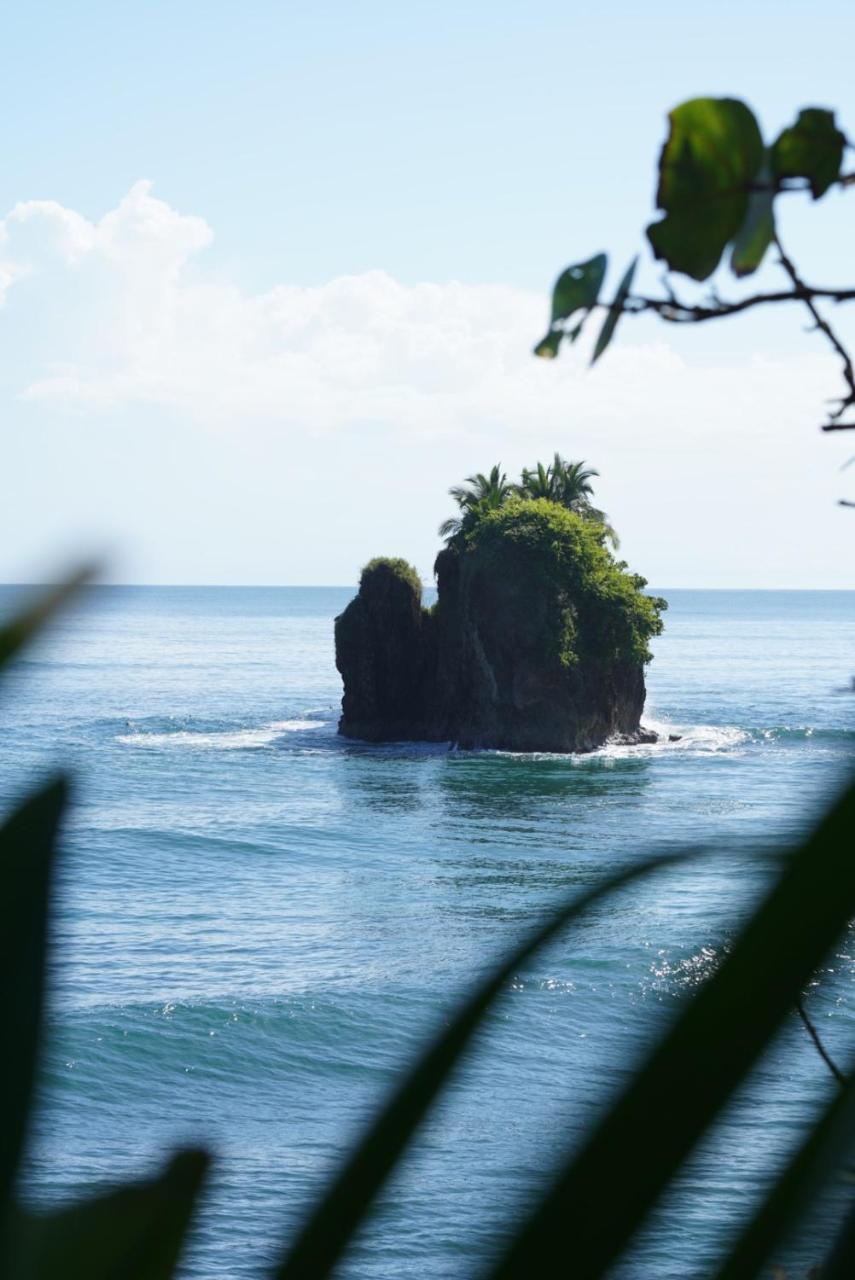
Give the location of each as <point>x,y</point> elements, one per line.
<point>394,566</point>
<point>557,546</point>
<point>710,159</point>
<point>569,484</point>
<point>576,289</point>
<point>718,184</point>
<point>566,483</point>
<point>478,494</point>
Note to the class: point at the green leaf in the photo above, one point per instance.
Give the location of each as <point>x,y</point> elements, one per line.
<point>27,846</point>
<point>820,1155</point>
<point>812,148</point>
<point>334,1221</point>
<point>615,311</point>
<point>755,236</point>
<point>547,348</point>
<point>15,634</point>
<point>632,1154</point>
<point>578,288</point>
<point>133,1233</point>
<point>708,163</point>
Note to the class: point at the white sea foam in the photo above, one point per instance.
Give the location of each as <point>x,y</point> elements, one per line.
<point>220,740</point>
<point>698,739</point>
<point>701,739</point>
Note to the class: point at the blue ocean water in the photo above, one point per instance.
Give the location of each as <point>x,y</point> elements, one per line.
<point>259,921</point>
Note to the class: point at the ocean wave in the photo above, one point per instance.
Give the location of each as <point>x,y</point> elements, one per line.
<point>695,739</point>
<point>800,733</point>
<point>698,739</point>
<point>221,739</point>
<point>701,739</point>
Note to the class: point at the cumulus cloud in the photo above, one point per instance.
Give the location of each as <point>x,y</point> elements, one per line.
<point>198,404</point>
<point>129,324</point>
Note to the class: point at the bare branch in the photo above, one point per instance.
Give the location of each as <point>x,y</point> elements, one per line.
<point>677,312</point>
<point>808,297</point>
<point>672,310</point>
<point>820,1047</point>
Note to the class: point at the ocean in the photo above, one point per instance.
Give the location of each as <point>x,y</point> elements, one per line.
<point>259,922</point>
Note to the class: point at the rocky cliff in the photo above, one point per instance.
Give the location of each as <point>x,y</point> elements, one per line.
<point>537,642</point>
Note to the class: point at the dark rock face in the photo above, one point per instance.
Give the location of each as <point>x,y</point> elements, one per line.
<point>488,666</point>
<point>383,651</point>
<point>501,683</point>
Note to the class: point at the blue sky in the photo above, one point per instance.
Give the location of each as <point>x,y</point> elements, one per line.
<point>271,364</point>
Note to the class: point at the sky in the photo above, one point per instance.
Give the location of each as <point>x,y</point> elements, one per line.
<point>270,276</point>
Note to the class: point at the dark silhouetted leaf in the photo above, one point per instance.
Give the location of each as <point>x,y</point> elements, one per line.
<point>578,288</point>
<point>15,634</point>
<point>27,842</point>
<point>604,1193</point>
<point>820,1155</point>
<point>841,1261</point>
<point>615,312</point>
<point>133,1233</point>
<point>332,1224</point>
<point>547,348</point>
<point>758,230</point>
<point>707,166</point>
<point>812,148</point>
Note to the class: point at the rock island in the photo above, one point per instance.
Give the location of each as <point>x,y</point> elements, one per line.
<point>538,639</point>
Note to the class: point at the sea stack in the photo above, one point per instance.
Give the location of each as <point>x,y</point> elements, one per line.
<point>537,642</point>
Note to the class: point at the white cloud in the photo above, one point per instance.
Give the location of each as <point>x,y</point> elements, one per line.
<point>703,462</point>
<point>130,325</point>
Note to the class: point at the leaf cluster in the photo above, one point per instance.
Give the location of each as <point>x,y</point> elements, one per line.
<point>718,182</point>
<point>560,481</point>
<point>395,567</point>
<point>602,611</point>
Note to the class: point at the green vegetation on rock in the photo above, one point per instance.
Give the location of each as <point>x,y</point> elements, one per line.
<point>600,609</point>
<point>396,567</point>
<point>566,483</point>
<point>538,639</point>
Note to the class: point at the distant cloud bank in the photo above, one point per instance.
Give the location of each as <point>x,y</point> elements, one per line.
<point>124,313</point>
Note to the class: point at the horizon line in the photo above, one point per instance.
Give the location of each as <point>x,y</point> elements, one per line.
<point>348,586</point>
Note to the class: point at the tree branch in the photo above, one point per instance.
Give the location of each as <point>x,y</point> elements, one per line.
<point>808,297</point>
<point>677,312</point>
<point>672,310</point>
<point>820,1047</point>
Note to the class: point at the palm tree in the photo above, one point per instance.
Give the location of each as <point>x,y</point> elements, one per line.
<point>477,494</point>
<point>543,482</point>
<point>568,483</point>
<point>573,482</point>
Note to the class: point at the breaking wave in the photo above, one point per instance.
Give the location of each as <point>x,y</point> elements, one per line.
<point>221,739</point>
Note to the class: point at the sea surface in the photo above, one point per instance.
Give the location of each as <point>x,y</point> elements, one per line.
<point>259,922</point>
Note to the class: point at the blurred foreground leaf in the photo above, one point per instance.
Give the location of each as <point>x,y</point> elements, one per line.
<point>603,1194</point>
<point>821,1154</point>
<point>133,1233</point>
<point>615,311</point>
<point>758,230</point>
<point>331,1225</point>
<point>812,148</point>
<point>15,634</point>
<point>708,163</point>
<point>576,289</point>
<point>27,844</point>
